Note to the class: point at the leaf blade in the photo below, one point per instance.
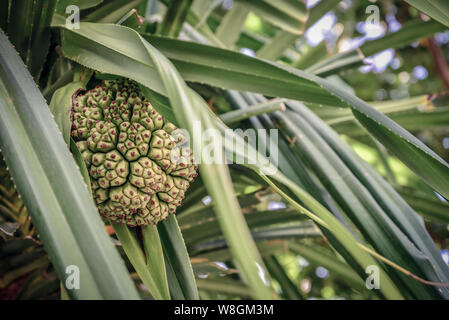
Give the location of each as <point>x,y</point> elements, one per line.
<point>52,188</point>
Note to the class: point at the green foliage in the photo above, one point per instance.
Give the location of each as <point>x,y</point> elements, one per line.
<point>353,181</point>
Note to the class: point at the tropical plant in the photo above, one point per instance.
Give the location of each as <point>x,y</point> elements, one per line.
<point>333,188</point>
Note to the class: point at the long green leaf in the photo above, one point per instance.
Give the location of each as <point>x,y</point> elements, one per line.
<point>410,32</point>
<point>437,9</point>
<point>225,286</point>
<point>279,18</point>
<point>191,110</point>
<point>210,228</point>
<point>4,13</point>
<point>177,257</point>
<point>233,70</point>
<point>174,18</point>
<point>294,8</point>
<point>289,289</point>
<point>350,194</point>
<point>29,30</point>
<point>431,207</point>
<point>386,205</point>
<point>60,105</point>
<point>318,213</point>
<point>112,11</point>
<point>135,254</point>
<point>229,29</point>
<point>238,115</point>
<point>155,258</point>
<point>77,156</point>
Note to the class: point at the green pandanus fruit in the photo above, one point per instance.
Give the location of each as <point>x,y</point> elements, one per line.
<point>138,173</point>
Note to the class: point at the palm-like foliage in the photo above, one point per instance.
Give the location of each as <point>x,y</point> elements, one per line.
<point>338,211</point>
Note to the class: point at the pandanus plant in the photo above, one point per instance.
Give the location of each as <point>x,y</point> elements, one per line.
<point>89,118</point>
